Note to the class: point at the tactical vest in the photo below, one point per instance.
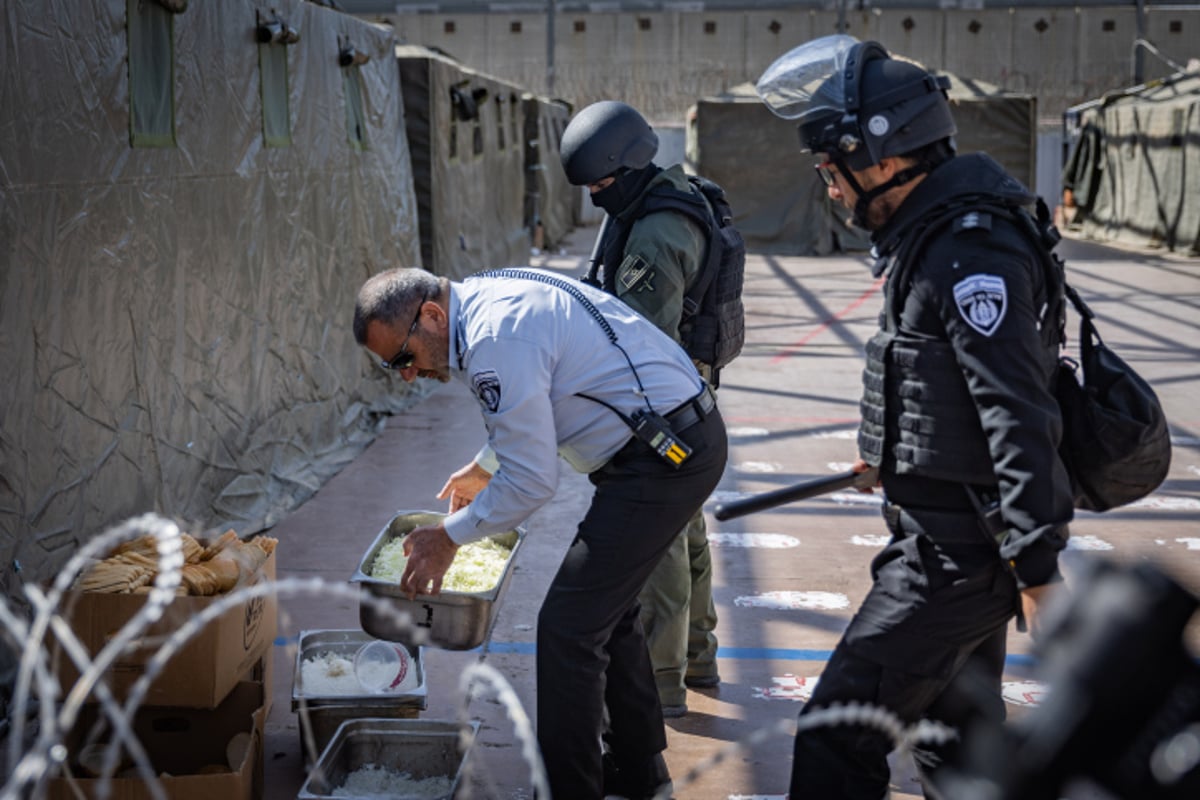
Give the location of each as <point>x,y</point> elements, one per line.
<point>918,417</point>
<point>712,329</point>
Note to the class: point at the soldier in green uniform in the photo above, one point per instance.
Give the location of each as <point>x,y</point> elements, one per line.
<point>650,259</point>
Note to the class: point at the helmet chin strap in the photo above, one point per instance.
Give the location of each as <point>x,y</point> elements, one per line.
<point>866,196</point>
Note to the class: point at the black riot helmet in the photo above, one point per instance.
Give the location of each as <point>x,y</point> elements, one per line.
<point>603,139</point>
<point>858,105</point>
<point>855,102</point>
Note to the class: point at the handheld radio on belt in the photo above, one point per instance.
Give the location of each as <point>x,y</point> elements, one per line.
<point>647,424</point>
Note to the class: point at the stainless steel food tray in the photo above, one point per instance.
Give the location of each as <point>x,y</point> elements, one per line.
<point>423,748</point>
<point>345,643</point>
<point>327,712</point>
<point>452,620</point>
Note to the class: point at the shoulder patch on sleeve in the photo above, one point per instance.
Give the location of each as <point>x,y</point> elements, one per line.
<point>982,301</point>
<point>973,220</point>
<point>486,385</point>
<point>635,274</point>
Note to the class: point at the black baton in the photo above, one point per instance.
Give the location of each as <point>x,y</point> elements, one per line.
<point>800,491</point>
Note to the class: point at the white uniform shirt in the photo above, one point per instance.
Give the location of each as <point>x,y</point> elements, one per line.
<point>525,348</point>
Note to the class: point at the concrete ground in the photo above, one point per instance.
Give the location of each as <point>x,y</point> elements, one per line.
<point>786,580</point>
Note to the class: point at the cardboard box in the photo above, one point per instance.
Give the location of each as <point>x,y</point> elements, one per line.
<point>180,742</point>
<point>204,670</point>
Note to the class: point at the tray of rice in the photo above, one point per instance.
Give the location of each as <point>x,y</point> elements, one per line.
<point>400,759</point>
<point>327,690</point>
<point>458,617</point>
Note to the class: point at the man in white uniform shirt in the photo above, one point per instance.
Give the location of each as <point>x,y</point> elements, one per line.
<point>561,368</point>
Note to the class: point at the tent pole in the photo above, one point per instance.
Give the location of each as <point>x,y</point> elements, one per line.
<point>550,9</point>
<point>1138,55</point>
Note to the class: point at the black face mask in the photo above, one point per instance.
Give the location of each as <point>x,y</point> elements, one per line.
<point>625,188</point>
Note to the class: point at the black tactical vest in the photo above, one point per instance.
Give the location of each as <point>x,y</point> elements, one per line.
<point>918,417</point>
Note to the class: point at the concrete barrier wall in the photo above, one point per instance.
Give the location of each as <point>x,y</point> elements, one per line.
<point>663,61</point>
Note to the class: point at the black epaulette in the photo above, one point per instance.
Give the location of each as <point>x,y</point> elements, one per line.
<point>973,221</point>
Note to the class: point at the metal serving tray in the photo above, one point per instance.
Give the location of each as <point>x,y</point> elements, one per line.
<point>424,748</point>
<point>452,620</point>
<point>327,712</point>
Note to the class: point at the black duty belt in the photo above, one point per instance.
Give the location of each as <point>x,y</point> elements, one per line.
<point>692,411</point>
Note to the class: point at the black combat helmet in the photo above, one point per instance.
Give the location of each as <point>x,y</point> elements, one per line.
<point>855,102</point>
<point>604,138</point>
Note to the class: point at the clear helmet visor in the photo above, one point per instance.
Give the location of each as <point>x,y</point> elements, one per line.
<point>797,85</point>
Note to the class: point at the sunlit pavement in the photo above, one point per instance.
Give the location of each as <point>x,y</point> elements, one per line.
<point>786,580</point>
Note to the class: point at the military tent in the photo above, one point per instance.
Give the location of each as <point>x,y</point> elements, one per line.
<point>551,203</point>
<point>466,133</point>
<point>190,197</point>
<point>1134,168</point>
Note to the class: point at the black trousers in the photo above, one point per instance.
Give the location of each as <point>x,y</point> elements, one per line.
<point>591,652</point>
<point>938,610</point>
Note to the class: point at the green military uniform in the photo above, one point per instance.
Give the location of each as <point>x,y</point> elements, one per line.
<point>663,255</point>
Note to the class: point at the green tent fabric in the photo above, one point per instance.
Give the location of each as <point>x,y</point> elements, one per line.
<point>466,132</point>
<point>551,203</point>
<point>174,319</point>
<point>1134,169</point>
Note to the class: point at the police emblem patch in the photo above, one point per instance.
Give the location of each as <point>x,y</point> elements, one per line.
<point>982,301</point>
<point>486,386</point>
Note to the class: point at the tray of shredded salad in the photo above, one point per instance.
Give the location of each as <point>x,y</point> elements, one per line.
<point>457,618</point>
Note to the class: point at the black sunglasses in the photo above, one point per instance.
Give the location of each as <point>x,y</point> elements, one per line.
<point>404,359</point>
<point>825,170</point>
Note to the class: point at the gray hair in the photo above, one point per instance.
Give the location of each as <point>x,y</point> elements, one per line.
<point>393,295</point>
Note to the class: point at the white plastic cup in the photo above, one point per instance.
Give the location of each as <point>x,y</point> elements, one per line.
<point>385,668</point>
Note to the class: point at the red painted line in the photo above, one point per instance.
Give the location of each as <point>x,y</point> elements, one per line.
<point>776,420</point>
<point>825,325</point>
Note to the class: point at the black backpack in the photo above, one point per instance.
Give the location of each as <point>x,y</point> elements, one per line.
<point>713,306</point>
<point>1115,444</point>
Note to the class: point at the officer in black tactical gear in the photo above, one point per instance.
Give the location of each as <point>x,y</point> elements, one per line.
<point>957,410</point>
<point>650,259</point>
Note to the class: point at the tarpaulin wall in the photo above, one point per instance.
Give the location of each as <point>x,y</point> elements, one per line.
<point>175,319</point>
<point>780,204</point>
<point>467,136</point>
<point>550,201</point>
<point>1135,167</point>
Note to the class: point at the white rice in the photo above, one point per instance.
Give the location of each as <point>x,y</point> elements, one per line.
<point>328,675</point>
<point>370,780</point>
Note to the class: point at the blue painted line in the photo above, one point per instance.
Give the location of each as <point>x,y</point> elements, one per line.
<point>731,653</point>
<point>741,653</point>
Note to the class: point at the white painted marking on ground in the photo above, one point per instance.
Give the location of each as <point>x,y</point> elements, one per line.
<point>742,433</point>
<point>787,687</point>
<point>757,467</point>
<point>1194,469</point>
<point>767,540</point>
<point>725,496</point>
<point>1167,503</point>
<point>840,466</point>
<point>857,499</point>
<point>1087,543</point>
<point>870,541</point>
<point>1023,693</point>
<point>794,600</point>
<point>1192,544</point>
<point>848,433</point>
<point>800,689</point>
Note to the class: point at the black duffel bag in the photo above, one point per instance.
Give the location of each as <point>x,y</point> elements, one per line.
<point>1115,443</point>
